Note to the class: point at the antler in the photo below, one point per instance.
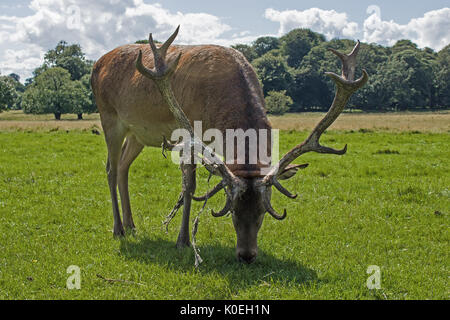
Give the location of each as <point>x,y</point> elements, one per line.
<point>161,76</point>
<point>211,193</point>
<point>346,86</point>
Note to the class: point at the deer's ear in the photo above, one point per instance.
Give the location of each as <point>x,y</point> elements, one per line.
<point>291,170</point>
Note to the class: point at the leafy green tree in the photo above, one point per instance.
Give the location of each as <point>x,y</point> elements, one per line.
<point>403,82</point>
<point>8,93</point>
<point>80,101</point>
<point>14,79</point>
<point>51,92</point>
<point>83,98</point>
<point>402,45</point>
<point>14,76</point>
<point>273,72</point>
<point>248,51</point>
<point>277,102</point>
<point>263,45</point>
<point>36,72</point>
<point>309,90</point>
<point>17,84</point>
<point>297,43</point>
<point>417,80</point>
<point>69,57</point>
<point>442,77</point>
<point>145,41</point>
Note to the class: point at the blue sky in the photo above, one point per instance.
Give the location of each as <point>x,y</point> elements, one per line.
<point>29,28</point>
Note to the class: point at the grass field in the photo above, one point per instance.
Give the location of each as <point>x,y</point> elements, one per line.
<point>385,203</point>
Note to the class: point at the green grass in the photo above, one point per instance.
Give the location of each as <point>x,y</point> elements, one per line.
<point>385,203</point>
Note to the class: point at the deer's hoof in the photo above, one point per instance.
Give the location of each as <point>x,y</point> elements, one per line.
<point>181,244</point>
<point>119,232</point>
<point>129,226</point>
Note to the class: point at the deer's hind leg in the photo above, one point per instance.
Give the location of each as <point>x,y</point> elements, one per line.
<point>131,149</point>
<point>114,136</point>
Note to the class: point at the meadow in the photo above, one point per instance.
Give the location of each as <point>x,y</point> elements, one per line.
<point>385,203</point>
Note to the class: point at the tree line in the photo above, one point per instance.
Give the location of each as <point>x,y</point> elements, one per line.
<point>291,70</point>
<point>402,77</point>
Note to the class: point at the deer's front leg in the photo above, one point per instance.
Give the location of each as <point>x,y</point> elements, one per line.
<point>189,184</point>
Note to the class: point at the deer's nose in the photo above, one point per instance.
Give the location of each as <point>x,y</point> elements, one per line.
<point>247,256</point>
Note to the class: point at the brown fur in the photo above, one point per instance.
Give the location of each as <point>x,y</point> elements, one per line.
<point>213,84</point>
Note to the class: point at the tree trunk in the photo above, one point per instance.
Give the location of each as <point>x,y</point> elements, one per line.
<point>57,116</point>
<point>80,116</point>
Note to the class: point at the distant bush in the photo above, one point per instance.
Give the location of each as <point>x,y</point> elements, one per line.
<point>277,102</point>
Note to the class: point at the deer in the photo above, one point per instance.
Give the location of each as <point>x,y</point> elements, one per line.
<point>144,92</point>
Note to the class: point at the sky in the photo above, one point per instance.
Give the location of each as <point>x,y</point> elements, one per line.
<point>28,28</point>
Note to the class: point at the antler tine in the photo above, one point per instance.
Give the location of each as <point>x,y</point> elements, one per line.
<point>271,210</point>
<point>152,45</point>
<point>348,61</point>
<point>165,46</point>
<point>283,190</point>
<point>160,53</point>
<point>210,193</point>
<point>346,86</point>
<point>162,69</point>
<point>225,209</point>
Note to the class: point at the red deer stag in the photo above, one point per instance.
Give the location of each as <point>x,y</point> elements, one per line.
<point>141,99</point>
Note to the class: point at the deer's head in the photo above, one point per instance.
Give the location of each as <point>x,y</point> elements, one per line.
<point>249,197</point>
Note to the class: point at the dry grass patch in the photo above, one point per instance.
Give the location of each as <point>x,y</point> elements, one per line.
<point>19,121</point>
<point>404,121</point>
<point>365,122</point>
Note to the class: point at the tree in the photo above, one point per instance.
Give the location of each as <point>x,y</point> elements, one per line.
<point>417,80</point>
<point>442,78</point>
<point>8,94</point>
<point>402,45</point>
<point>80,100</point>
<point>83,98</point>
<point>273,72</point>
<point>69,57</point>
<point>145,41</point>
<point>297,44</point>
<point>263,45</point>
<point>14,76</point>
<point>403,82</point>
<point>51,92</point>
<point>309,90</point>
<point>248,51</point>
<point>277,102</point>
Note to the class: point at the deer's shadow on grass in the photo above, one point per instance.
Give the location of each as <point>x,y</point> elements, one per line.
<point>218,259</point>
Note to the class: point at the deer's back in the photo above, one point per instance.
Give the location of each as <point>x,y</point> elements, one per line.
<point>213,84</point>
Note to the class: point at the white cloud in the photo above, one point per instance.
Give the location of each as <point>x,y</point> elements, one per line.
<point>432,30</point>
<point>99,26</point>
<point>328,22</point>
<point>21,61</point>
